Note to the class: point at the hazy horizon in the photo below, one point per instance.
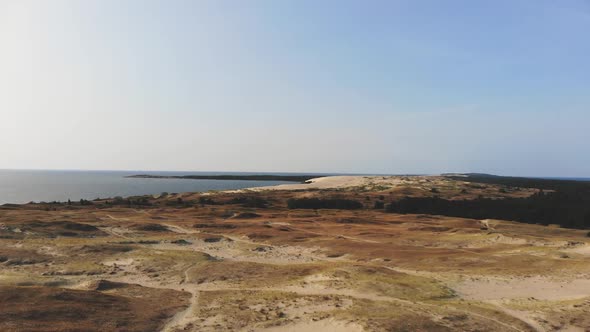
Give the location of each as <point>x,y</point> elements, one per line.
<point>189,172</point>
<point>379,87</point>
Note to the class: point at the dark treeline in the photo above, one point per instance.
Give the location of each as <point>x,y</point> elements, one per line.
<point>551,184</point>
<point>566,203</point>
<point>250,201</point>
<point>245,201</point>
<point>327,203</point>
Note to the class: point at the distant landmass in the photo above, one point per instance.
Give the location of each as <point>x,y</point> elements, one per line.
<point>257,177</point>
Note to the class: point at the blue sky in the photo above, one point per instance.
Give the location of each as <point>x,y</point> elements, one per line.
<point>305,86</point>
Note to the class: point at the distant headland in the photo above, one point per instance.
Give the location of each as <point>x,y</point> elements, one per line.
<point>250,177</point>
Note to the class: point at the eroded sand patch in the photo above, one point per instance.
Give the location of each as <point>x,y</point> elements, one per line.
<point>581,250</point>
<point>541,288</point>
<point>119,262</point>
<point>325,325</point>
<point>332,182</point>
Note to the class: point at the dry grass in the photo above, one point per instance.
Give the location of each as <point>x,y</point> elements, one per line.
<point>280,267</point>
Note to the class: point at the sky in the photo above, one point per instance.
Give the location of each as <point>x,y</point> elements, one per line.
<point>388,87</point>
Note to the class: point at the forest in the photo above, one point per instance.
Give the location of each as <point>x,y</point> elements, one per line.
<point>562,202</point>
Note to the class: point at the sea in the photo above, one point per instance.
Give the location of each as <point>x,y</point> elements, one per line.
<point>23,186</point>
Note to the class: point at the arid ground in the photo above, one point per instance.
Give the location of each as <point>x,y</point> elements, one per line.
<point>244,261</point>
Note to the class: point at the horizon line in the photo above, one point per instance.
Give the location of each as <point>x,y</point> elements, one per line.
<point>293,172</point>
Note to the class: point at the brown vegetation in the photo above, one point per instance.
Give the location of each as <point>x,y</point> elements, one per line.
<point>227,265</point>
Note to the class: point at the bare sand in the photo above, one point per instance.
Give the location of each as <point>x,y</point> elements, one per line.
<point>325,325</point>
<point>536,287</point>
<point>338,182</point>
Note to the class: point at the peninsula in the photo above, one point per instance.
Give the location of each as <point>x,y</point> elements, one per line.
<point>246,177</point>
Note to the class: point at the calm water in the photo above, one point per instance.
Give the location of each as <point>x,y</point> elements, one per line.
<point>22,186</point>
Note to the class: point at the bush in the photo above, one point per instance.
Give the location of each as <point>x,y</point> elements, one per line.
<point>317,203</point>
<point>250,201</point>
<point>247,215</point>
<point>206,200</point>
<point>379,205</point>
<point>152,228</point>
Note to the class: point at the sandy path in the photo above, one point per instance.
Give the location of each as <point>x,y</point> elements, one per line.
<point>524,316</point>
<point>582,250</point>
<point>185,317</point>
<point>333,235</point>
<point>182,318</point>
<point>114,231</point>
<point>117,218</point>
<point>239,250</point>
<point>180,230</point>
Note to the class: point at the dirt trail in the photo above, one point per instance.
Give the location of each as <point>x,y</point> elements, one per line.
<point>185,317</point>
<point>189,315</point>
<point>182,318</point>
<point>117,218</point>
<point>521,315</point>
<point>334,235</point>
<point>180,230</point>
<point>114,232</point>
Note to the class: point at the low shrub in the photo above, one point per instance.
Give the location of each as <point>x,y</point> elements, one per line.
<point>328,203</point>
